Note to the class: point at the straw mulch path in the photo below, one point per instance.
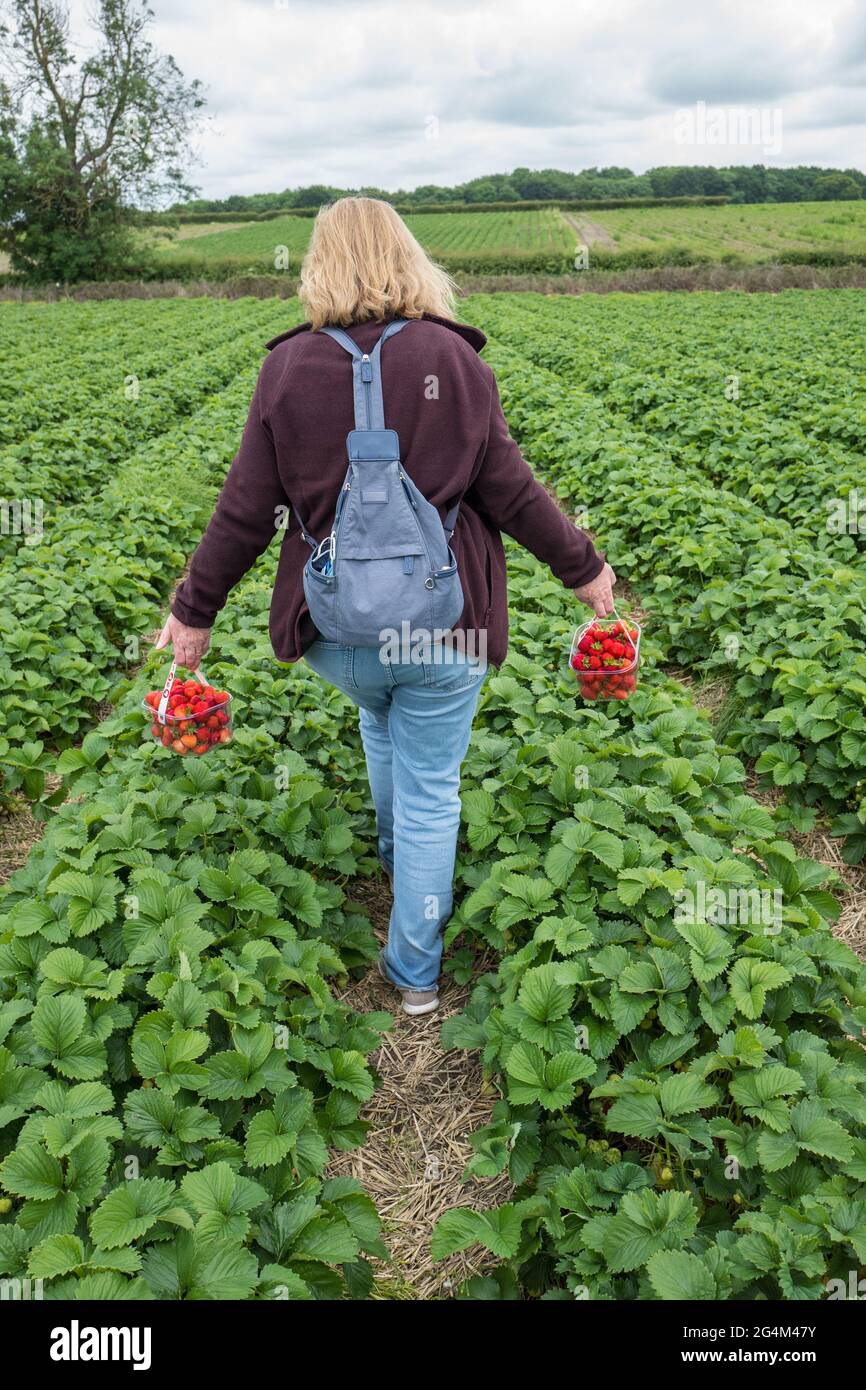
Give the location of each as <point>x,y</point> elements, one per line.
<point>850,927</point>
<point>421,1116</point>
<point>19,832</point>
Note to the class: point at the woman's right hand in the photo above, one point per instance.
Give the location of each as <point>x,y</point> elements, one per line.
<point>598,593</point>
<point>188,643</point>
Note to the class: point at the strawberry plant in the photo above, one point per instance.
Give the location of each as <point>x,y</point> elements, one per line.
<point>175,1064</point>
<point>674,1032</point>
<point>85,417</point>
<point>67,627</point>
<point>683,1091</point>
<point>733,591</point>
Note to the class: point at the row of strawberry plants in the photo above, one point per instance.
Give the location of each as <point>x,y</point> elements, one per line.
<point>58,355</point>
<point>673,1027</point>
<point>796,356</point>
<point>693,1155</point>
<point>582,827</point>
<point>175,1066</point>
<point>735,592</point>
<point>74,608</point>
<point>706,421</point>
<point>146,393</point>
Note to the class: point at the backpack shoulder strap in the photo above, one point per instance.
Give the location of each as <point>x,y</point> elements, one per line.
<point>367,384</point>
<point>450,521</point>
<point>367,375</point>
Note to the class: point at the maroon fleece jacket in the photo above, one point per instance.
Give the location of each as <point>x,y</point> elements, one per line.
<point>442,400</point>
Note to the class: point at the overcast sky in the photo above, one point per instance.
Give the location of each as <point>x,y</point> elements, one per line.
<point>401,92</point>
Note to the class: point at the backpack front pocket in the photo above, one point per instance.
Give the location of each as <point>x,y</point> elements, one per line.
<point>447,594</point>
<point>320,593</point>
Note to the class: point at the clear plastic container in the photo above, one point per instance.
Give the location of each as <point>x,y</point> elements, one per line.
<point>603,673</point>
<point>189,716</point>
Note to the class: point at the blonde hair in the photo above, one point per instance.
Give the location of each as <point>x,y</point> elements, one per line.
<point>363,263</point>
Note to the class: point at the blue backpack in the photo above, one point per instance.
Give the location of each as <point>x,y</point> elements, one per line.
<point>388,560</point>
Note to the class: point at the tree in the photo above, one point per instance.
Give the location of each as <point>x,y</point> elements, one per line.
<point>82,138</point>
<point>835,187</point>
<point>315,194</point>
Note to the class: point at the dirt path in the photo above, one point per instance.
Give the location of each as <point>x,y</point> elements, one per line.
<point>421,1117</point>
<point>19,832</point>
<point>590,233</point>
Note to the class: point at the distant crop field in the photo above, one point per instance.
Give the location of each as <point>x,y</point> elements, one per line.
<point>750,232</point>
<point>255,240</point>
<point>548,239</point>
<point>509,237</point>
<point>448,232</point>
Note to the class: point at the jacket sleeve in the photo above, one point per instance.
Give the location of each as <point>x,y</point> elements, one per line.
<point>247,514</point>
<point>507,491</point>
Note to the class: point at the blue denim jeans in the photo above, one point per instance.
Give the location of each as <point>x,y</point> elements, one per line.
<point>415,719</point>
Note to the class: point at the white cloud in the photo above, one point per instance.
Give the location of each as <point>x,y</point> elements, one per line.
<point>322,91</point>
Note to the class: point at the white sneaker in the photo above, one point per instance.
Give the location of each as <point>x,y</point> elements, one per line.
<point>415,1001</point>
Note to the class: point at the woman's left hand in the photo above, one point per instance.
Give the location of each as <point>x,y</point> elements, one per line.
<point>189,643</point>
<point>598,593</point>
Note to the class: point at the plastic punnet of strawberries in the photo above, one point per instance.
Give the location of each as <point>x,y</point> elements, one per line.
<point>605,657</point>
<point>197,717</point>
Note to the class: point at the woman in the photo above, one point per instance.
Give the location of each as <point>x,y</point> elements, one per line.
<point>364,268</point>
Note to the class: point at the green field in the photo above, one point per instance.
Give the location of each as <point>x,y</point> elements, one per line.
<point>464,239</point>
<point>753,232</point>
<point>174,952</point>
<point>499,242</point>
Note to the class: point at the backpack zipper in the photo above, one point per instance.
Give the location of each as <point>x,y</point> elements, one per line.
<point>341,507</point>
<point>429,582</point>
<point>367,377</point>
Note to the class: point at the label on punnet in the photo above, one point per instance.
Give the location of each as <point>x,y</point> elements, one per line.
<point>166,689</point>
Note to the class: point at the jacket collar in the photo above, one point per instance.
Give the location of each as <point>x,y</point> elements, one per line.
<point>473,336</point>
